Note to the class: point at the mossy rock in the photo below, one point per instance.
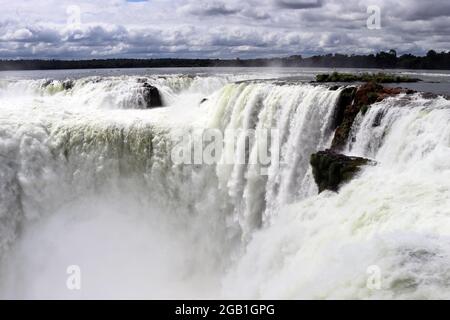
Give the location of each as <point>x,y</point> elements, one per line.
<point>331,170</point>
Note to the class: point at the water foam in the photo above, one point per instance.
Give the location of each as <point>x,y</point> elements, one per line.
<point>88,178</point>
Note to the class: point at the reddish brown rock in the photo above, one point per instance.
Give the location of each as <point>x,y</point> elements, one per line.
<point>364,96</point>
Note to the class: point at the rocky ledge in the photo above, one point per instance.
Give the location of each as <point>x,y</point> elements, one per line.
<point>151,95</point>
<point>354,100</point>
<point>331,169</point>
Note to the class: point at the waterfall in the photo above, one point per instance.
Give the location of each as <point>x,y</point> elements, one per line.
<point>302,116</point>
<point>393,218</point>
<point>72,147</point>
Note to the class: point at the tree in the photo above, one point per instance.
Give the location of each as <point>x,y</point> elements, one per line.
<point>431,54</point>
<point>392,52</point>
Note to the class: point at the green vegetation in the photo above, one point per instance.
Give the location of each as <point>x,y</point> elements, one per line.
<point>364,77</point>
<point>381,60</point>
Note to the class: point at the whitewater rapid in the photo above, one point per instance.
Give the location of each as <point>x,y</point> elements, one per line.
<point>87,179</point>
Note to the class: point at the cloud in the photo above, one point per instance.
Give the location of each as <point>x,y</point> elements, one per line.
<point>299,4</point>
<point>218,28</point>
<point>210,8</point>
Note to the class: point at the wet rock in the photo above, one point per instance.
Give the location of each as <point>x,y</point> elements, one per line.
<point>331,169</point>
<point>151,96</point>
<point>378,117</point>
<point>46,83</point>
<point>429,95</point>
<point>335,87</point>
<point>68,84</point>
<point>349,105</point>
<point>345,99</point>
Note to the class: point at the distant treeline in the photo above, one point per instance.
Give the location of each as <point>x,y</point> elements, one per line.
<point>382,60</point>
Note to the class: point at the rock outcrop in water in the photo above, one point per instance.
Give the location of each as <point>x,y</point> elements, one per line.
<point>345,99</point>
<point>151,96</point>
<point>353,101</point>
<point>331,169</point>
<point>68,84</point>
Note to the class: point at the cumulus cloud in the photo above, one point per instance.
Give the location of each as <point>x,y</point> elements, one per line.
<point>211,8</point>
<point>217,28</point>
<point>299,4</point>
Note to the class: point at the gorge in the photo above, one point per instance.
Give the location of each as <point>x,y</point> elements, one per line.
<point>87,178</point>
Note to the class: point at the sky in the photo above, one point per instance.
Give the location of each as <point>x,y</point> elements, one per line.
<point>63,29</point>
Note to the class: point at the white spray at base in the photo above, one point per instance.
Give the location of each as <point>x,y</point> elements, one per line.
<point>91,183</point>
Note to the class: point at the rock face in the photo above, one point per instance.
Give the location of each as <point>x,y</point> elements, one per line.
<point>151,96</point>
<point>331,169</point>
<point>345,99</point>
<point>352,102</point>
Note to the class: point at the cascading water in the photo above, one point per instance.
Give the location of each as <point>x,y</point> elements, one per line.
<point>87,178</point>
<point>302,115</point>
<point>393,219</point>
